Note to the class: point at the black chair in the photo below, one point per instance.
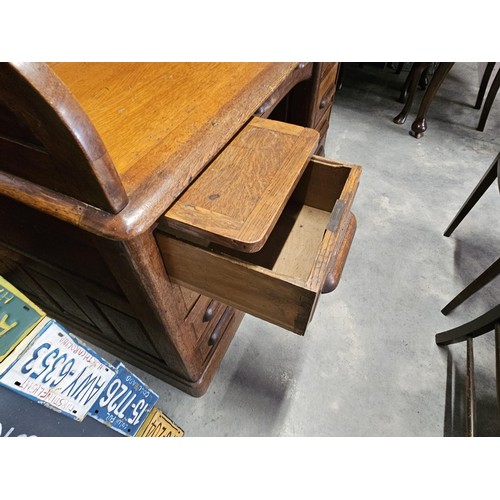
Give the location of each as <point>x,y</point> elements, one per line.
<point>492,173</point>
<point>467,332</point>
<point>491,93</point>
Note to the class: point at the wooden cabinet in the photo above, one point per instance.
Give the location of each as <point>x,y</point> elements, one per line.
<point>148,206</point>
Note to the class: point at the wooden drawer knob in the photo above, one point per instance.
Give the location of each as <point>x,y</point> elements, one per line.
<point>209,313</point>
<point>219,329</point>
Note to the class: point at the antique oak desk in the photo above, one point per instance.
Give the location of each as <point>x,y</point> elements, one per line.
<point>148,206</point>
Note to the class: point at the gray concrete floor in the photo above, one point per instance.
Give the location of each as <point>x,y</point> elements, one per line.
<point>368,364</point>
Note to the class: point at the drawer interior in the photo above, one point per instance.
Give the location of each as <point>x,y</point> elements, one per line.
<point>282,281</point>
<point>292,247</point>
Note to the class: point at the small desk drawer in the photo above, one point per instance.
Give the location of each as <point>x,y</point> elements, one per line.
<point>282,281</point>
<point>326,92</point>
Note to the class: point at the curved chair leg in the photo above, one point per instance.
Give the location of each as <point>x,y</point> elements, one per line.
<point>408,91</point>
<point>489,101</point>
<point>484,83</point>
<point>419,126</point>
<point>490,175</point>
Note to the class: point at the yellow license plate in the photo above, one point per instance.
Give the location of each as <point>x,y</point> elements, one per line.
<point>158,424</point>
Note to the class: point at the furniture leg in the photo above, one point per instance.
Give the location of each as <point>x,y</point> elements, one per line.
<point>482,280</point>
<point>486,181</point>
<point>423,82</point>
<point>483,324</point>
<point>497,361</point>
<point>408,91</point>
<point>470,396</point>
<point>419,126</point>
<point>489,101</point>
<point>484,83</point>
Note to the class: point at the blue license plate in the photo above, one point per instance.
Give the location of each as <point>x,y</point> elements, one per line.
<point>125,403</point>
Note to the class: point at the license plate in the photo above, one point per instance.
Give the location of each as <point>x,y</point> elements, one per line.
<point>125,403</point>
<point>159,425</point>
<point>18,316</point>
<point>59,371</point>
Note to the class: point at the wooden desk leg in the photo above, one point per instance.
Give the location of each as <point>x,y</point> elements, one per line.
<point>419,126</point>
<point>408,91</point>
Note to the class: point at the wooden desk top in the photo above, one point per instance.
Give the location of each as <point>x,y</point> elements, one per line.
<point>160,125</point>
<point>162,122</point>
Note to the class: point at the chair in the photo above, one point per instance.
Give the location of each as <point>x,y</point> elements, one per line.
<point>491,93</point>
<point>418,75</point>
<point>492,173</point>
<point>467,332</point>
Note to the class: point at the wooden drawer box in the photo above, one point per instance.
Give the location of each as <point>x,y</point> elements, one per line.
<point>265,242</point>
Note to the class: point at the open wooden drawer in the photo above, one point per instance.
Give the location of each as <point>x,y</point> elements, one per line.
<point>266,228</point>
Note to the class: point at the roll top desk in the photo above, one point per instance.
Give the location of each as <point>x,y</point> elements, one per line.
<point>149,206</point>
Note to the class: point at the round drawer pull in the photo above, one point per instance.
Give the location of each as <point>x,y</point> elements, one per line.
<point>209,313</point>
<point>220,328</point>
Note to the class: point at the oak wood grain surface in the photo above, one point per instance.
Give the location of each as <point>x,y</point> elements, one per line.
<point>152,117</point>
<point>194,109</point>
<point>238,199</point>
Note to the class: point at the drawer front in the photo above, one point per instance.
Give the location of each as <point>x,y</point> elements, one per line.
<point>322,127</point>
<point>326,91</point>
<point>208,319</point>
<point>327,68</point>
<point>213,335</point>
<point>204,314</point>
<point>282,282</point>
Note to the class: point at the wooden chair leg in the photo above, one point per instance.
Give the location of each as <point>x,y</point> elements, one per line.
<point>489,101</point>
<point>419,126</point>
<point>484,83</point>
<point>483,324</point>
<point>408,91</point>
<point>482,280</point>
<point>470,393</point>
<point>486,181</point>
<point>497,361</point>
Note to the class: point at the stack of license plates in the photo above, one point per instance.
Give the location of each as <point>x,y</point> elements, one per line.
<point>44,362</point>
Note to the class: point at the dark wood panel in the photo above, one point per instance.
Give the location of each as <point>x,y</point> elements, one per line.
<point>54,242</point>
